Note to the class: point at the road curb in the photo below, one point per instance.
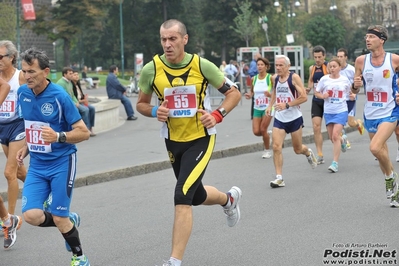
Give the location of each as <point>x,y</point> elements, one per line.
<point>163,165</point>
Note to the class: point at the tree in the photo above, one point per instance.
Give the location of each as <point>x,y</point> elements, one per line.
<point>67,19</point>
<point>326,31</point>
<point>8,22</point>
<point>246,24</point>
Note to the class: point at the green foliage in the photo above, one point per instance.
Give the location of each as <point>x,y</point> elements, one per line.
<point>67,19</point>
<point>8,22</point>
<point>326,31</point>
<point>90,29</point>
<point>246,25</point>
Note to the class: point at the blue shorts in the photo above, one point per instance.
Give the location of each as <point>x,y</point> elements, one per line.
<point>340,118</point>
<point>56,176</point>
<point>13,131</point>
<point>371,125</point>
<point>289,127</point>
<point>351,108</point>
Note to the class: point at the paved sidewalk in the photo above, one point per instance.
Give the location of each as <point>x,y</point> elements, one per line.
<point>136,148</point>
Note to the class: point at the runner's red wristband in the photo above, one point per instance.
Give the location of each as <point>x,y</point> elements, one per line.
<point>218,116</point>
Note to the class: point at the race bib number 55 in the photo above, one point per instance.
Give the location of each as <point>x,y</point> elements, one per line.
<point>182,101</point>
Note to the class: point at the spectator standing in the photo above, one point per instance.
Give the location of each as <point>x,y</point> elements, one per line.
<point>49,112</point>
<point>223,66</point>
<point>115,90</point>
<point>231,71</point>
<point>253,70</point>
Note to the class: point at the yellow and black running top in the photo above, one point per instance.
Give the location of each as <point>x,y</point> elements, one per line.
<point>185,86</point>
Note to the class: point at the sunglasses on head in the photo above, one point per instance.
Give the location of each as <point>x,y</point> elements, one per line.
<point>2,56</point>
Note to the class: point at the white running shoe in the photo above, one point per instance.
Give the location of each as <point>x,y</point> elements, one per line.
<point>312,160</point>
<point>277,183</point>
<point>391,187</point>
<point>266,154</point>
<point>233,212</point>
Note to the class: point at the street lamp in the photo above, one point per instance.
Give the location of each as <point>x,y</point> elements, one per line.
<point>263,21</point>
<point>55,54</point>
<point>122,51</point>
<point>290,14</point>
<point>18,34</point>
<point>333,7</point>
<point>389,23</point>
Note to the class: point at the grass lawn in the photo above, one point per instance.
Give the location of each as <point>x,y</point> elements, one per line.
<point>102,78</point>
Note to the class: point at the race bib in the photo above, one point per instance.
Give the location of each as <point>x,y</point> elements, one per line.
<point>284,98</point>
<point>7,109</point>
<point>261,102</point>
<point>182,101</point>
<point>33,130</point>
<point>336,96</point>
<point>377,98</point>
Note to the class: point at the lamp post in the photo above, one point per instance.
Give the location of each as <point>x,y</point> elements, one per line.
<point>333,7</point>
<point>288,8</point>
<point>121,28</point>
<point>55,54</point>
<point>18,34</point>
<point>263,20</point>
<point>389,23</point>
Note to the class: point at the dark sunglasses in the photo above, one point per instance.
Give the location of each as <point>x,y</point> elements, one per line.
<point>2,56</point>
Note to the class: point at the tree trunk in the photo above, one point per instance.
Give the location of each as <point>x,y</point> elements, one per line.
<point>67,47</point>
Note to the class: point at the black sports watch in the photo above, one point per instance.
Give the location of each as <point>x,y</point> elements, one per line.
<point>287,106</point>
<point>222,111</point>
<point>62,137</point>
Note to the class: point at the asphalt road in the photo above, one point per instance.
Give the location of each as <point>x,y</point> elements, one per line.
<point>129,221</point>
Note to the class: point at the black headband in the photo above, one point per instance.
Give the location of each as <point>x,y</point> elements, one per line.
<point>380,35</point>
